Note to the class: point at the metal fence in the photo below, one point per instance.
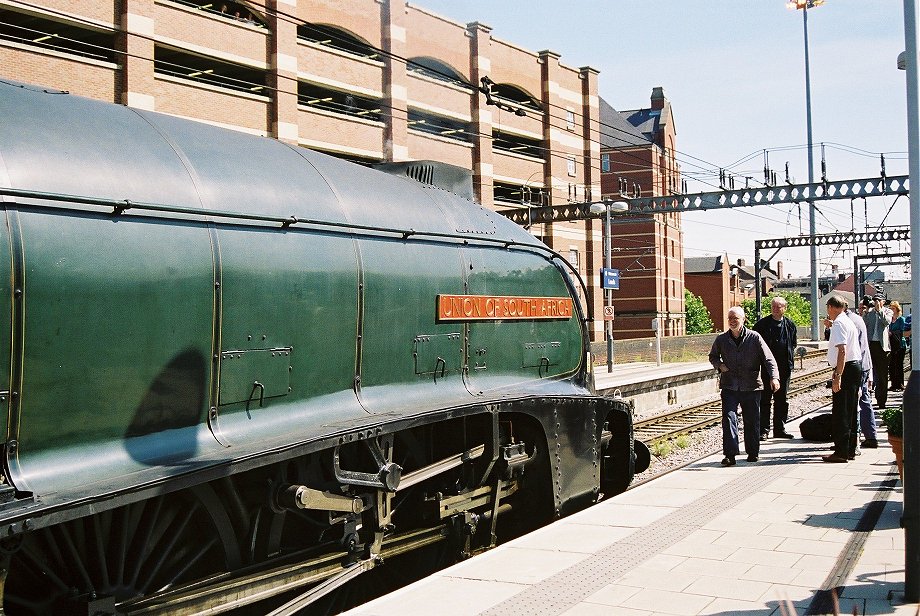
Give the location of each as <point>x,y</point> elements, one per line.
<point>673,348</point>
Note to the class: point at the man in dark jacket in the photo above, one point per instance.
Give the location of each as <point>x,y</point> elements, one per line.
<point>740,354</point>
<point>779,332</point>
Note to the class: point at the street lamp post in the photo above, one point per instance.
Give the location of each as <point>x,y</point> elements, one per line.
<point>605,208</point>
<point>804,5</point>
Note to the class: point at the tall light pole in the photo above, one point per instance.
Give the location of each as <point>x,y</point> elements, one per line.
<point>804,5</point>
<point>605,208</point>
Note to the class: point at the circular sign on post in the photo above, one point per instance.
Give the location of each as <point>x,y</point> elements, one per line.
<point>608,313</point>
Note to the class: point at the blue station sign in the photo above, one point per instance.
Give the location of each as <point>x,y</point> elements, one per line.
<point>610,278</point>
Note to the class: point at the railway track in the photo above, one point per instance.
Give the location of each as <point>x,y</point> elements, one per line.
<point>708,414</point>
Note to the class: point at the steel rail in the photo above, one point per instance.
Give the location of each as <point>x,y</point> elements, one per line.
<point>233,591</point>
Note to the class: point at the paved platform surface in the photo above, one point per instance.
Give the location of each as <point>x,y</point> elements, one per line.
<point>702,540</point>
<point>640,372</point>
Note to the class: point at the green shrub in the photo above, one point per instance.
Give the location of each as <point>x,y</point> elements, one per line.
<point>683,441</point>
<point>894,419</point>
<point>661,448</point>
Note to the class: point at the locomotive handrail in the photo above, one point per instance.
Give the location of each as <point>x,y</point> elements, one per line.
<point>119,206</point>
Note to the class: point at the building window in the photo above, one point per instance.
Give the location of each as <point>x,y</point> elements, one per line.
<point>435,69</point>
<point>573,257</point>
<point>442,126</point>
<point>570,165</point>
<point>57,36</point>
<point>605,163</point>
<point>338,39</point>
<point>168,61</point>
<point>519,195</point>
<point>524,146</point>
<point>516,95</point>
<point>570,119</point>
<point>316,96</point>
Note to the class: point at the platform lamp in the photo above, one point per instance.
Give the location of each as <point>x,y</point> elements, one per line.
<point>804,5</point>
<point>607,208</point>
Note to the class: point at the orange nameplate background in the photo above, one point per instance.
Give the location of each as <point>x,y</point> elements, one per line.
<point>500,307</point>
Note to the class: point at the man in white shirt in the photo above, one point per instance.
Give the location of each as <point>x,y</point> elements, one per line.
<point>844,356</point>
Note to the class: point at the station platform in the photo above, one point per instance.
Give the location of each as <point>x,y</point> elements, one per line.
<point>653,387</point>
<point>753,539</point>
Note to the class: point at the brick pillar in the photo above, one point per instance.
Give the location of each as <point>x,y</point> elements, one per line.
<point>480,66</point>
<point>591,160</point>
<point>135,39</point>
<point>555,177</point>
<point>282,69</point>
<point>395,80</point>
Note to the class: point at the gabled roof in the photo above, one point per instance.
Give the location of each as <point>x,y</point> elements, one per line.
<point>703,265</point>
<point>747,272</point>
<point>616,130</point>
<point>646,121</point>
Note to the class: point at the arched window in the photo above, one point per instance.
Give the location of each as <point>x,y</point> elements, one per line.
<point>516,95</point>
<point>436,69</point>
<point>337,38</point>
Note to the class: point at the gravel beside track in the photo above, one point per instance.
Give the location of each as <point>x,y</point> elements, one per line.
<point>707,442</point>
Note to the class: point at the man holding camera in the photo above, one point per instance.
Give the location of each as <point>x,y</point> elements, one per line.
<point>877,319</point>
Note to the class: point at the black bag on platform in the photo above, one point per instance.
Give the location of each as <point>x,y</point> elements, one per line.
<point>817,428</point>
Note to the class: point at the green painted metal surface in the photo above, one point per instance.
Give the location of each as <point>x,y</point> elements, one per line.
<point>513,350</point>
<point>401,284</point>
<point>295,290</point>
<point>117,329</point>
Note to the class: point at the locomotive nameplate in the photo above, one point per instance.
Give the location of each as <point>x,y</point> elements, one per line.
<point>502,307</point>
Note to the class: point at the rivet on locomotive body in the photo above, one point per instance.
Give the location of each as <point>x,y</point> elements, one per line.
<point>18,292</point>
<point>27,524</point>
<point>11,445</point>
<point>216,284</point>
<point>213,412</point>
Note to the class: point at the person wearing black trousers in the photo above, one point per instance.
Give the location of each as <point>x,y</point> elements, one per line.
<point>740,355</point>
<point>780,334</point>
<point>844,356</point>
<point>877,319</point>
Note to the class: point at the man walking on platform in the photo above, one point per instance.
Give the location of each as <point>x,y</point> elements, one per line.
<point>740,355</point>
<point>843,355</point>
<point>877,319</point>
<point>780,334</point>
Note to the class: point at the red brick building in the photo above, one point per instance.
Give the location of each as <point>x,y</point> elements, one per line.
<point>638,159</point>
<point>371,81</point>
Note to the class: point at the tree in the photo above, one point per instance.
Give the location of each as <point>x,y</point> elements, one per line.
<point>699,320</point>
<point>798,310</point>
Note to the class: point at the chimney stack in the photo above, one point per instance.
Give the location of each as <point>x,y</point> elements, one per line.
<point>658,98</point>
<point>779,270</point>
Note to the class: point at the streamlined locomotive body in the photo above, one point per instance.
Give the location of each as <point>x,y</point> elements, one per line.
<point>227,359</point>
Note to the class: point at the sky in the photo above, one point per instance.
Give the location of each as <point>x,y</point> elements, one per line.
<point>734,73</point>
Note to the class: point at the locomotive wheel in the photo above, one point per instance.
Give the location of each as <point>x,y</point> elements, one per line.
<point>121,554</point>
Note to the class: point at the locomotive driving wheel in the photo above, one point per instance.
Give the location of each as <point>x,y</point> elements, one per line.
<point>93,564</point>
